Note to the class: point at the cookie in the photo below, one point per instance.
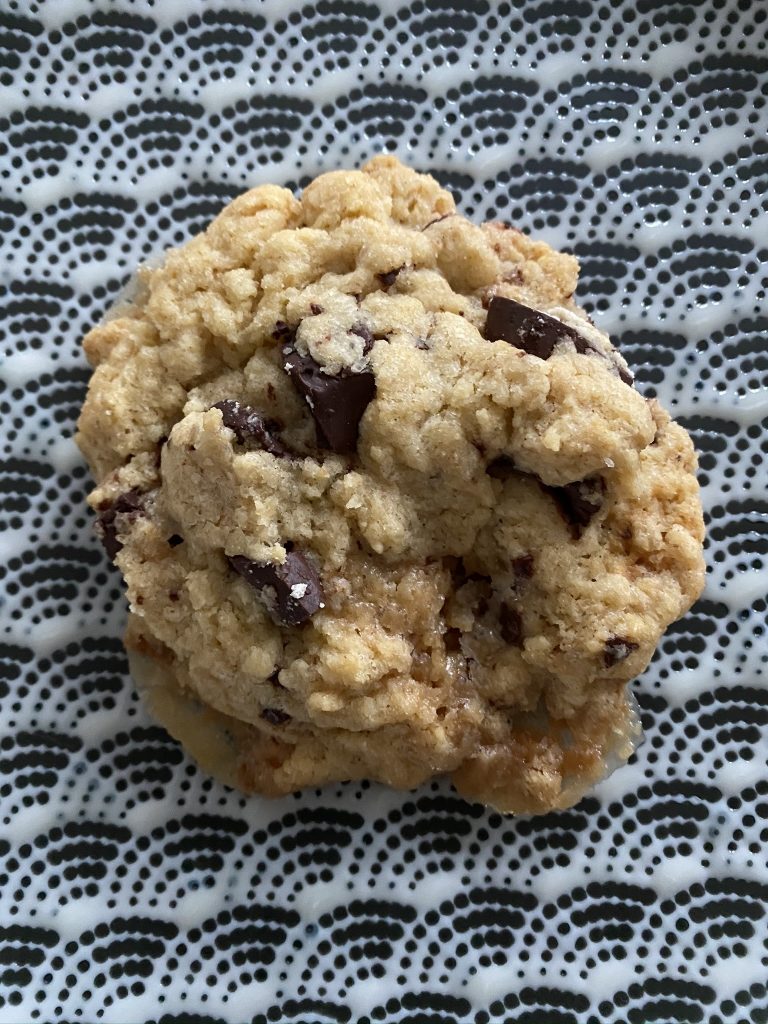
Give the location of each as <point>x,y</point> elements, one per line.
<point>386,501</point>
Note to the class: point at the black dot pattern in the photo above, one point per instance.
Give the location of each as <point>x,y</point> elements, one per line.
<point>632,133</point>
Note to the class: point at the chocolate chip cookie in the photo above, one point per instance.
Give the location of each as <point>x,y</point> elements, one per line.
<point>386,501</point>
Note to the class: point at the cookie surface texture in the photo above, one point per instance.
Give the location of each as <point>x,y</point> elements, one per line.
<point>385,500</point>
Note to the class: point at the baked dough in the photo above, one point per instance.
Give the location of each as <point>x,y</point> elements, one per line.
<point>386,502</point>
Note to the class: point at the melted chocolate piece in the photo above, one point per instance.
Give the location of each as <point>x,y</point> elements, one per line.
<point>617,648</point>
<point>511,625</point>
<point>295,584</point>
<point>130,504</point>
<point>578,502</point>
<point>275,717</point>
<point>538,333</point>
<point>362,331</point>
<point>248,425</point>
<point>315,309</point>
<point>282,331</point>
<point>337,403</point>
<point>389,277</point>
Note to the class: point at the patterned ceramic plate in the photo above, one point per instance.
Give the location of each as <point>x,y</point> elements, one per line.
<point>132,888</point>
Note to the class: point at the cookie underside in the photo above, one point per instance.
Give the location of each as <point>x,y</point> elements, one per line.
<point>242,757</point>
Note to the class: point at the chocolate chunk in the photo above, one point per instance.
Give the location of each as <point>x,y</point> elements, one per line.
<point>501,468</point>
<point>248,425</point>
<point>617,648</point>
<point>275,717</point>
<point>337,403</point>
<point>130,504</point>
<point>537,333</point>
<point>511,625</point>
<point>522,567</point>
<point>389,277</point>
<point>362,331</point>
<point>315,309</point>
<point>528,329</point>
<point>578,502</point>
<point>282,331</point>
<point>175,540</point>
<point>293,589</point>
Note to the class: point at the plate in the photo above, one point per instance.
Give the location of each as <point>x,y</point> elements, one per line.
<point>136,889</point>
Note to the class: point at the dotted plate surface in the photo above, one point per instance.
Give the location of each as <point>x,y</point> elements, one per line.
<point>133,889</point>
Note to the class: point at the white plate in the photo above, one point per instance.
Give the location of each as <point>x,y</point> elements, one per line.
<point>131,886</point>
